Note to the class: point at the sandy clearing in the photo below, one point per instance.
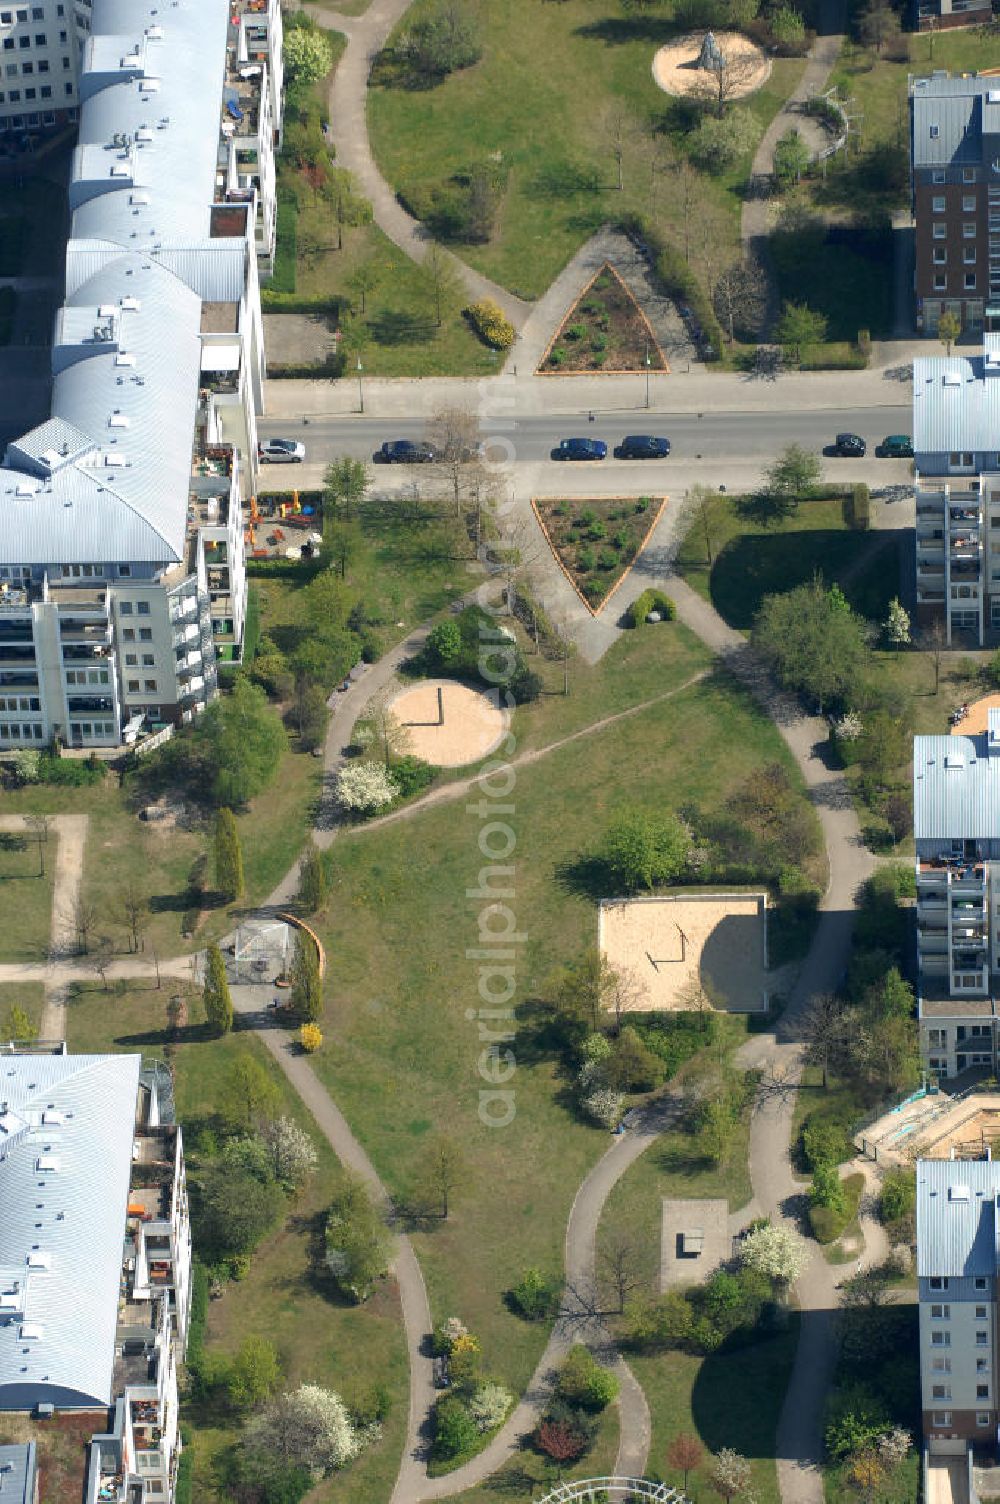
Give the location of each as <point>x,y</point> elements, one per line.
<point>674,946</point>
<point>474,722</point>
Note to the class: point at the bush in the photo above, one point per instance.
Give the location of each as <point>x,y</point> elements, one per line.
<point>491,324</point>
<point>534,1297</point>
<point>412,776</point>
<point>859,508</point>
<point>310,1038</point>
<point>650,600</point>
<point>582,1381</point>
<point>826,1189</point>
<point>899,1195</point>
<point>828,1222</point>
<point>825,1142</point>
<point>70,772</point>
<point>455,1431</point>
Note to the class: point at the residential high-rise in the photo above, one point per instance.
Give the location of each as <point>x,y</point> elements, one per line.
<point>39,51</point>
<point>955,184</point>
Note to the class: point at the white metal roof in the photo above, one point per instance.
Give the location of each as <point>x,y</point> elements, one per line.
<point>956,406</point>
<point>62,1229</point>
<point>956,1232</point>
<point>956,789</point>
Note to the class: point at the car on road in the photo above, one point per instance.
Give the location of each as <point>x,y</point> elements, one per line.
<point>642,446</point>
<point>895,446</point>
<point>580,449</point>
<point>404,452</point>
<point>850,446</point>
<point>282,451</point>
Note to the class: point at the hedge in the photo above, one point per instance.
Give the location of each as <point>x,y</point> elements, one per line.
<point>332,367</point>
<point>294,302</point>
<point>833,355</point>
<point>827,1224</point>
<point>649,600</point>
<point>491,324</point>
<point>251,627</point>
<point>858,508</point>
<point>678,280</point>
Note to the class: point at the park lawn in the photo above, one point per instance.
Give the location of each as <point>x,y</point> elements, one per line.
<point>399,924</point>
<point>284,1296</point>
<point>525,1477</point>
<point>25,894</point>
<point>552,127</point>
<point>27,995</point>
<point>753,559</point>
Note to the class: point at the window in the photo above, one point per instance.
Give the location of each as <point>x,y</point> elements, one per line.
<point>6,17</point>
<point>969,230</point>
<point>129,634</point>
<point>151,686</point>
<point>982,1365</point>
<point>124,608</point>
<point>43,66</point>
<point>940,1339</point>
<point>143,608</point>
<point>11,70</point>
<point>980,1282</point>
<point>131,660</point>
<point>145,634</point>
<point>124,570</point>
<point>939,231</point>
<point>46,93</point>
<point>29,93</point>
<point>968,203</point>
<point>982,1417</point>
<point>37,14</point>
<point>941,1392</point>
<point>941,256</point>
<point>982,1338</point>
<point>970,282</point>
<point>938,175</point>
<point>28,68</point>
<point>68,91</point>
<point>41,40</point>
<point>968,174</point>
<point>940,1313</point>
<point>941,1418</point>
<point>960,460</point>
<point>969,255</point>
<point>937,203</point>
<point>982,1391</point>
<point>940,282</point>
<point>24,42</point>
<point>980,1313</point>
<point>133,686</point>
<point>935,132</point>
<point>148,661</point>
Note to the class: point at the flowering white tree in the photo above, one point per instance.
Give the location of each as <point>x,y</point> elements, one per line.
<point>290,1150</point>
<point>489,1405</point>
<point>894,1446</point>
<point>25,764</point>
<point>777,1251</point>
<point>308,54</point>
<point>307,1427</point>
<point>366,787</point>
<point>729,1473</point>
<point>605,1106</point>
<point>897,624</point>
<point>849,727</point>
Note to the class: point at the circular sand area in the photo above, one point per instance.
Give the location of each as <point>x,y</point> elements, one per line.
<point>675,68</point>
<point>473,722</point>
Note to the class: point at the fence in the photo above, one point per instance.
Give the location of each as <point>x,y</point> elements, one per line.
<point>623,1489</point>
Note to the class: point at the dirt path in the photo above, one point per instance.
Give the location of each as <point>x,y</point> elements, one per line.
<point>66,851</point>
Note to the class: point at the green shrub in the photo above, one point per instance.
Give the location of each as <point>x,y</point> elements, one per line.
<point>832,355</point>
<point>534,1297</point>
<point>676,277</point>
<point>596,531</point>
<point>582,1381</point>
<point>828,1222</point>
<point>825,1142</point>
<point>826,1189</point>
<point>454,1429</point>
<point>412,776</point>
<point>650,600</point>
<point>576,331</point>
<point>859,507</point>
<point>899,1194</point>
<point>675,1037</point>
<point>598,342</point>
<point>595,590</point>
<point>557,356</point>
<point>586,559</point>
<point>491,324</point>
<point>70,772</point>
<point>608,559</point>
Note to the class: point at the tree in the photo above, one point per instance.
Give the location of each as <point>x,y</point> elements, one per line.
<point>358,1246</point>
<point>617,134</point>
<point>878,24</point>
<point>363,280</point>
<point>215,994</point>
<point>949,328</point>
<point>39,827</point>
<point>718,1129</point>
<point>560,1440</point>
<point>134,906</point>
<point>685,1454</point>
<point>813,646</point>
<point>392,735</point>
<point>444,644</point>
<point>642,850</point>
<point>787,28</point>
<point>309,1427</point>
<point>344,543</point>
<point>366,787</point>
<point>867,1472</point>
<point>894,1447</point>
<point>740,299</point>
<point>620,1267</point>
<point>443,1170</point>
<point>456,438</point>
<point>235,1210</point>
<point>454,1429</point>
<point>718,143</point>
<point>248,1093</point>
<point>311,711</point>
<point>897,624</point>
<point>777,1251</point>
<point>345,484</point>
<point>306,995</point>
<point>102,956</point>
<point>934,641</point>
<point>228,855</point>
<point>25,765</point>
<point>489,1406</point>
<point>632,1065</point>
<point>534,1296</point>
<point>18,1025</point>
<point>312,880</point>
<point>824,1027</point>
<point>240,740</point>
<point>308,54</point>
<point>581,1380</point>
<point>827,1189</point>
<point>84,921</point>
<point>791,158</point>
<point>729,1473</point>
<point>255,1373</point>
<point>310,1038</point>
<point>799,325</point>
<point>440,279</point>
<point>794,475</point>
<point>291,1152</point>
<point>726,80</point>
<point>443,40</point>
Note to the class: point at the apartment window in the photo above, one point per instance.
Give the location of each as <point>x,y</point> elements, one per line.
<point>968,203</point>
<point>66,63</point>
<point>941,1365</point>
<point>29,93</point>
<point>46,93</point>
<point>968,174</point>
<point>938,175</point>
<point>982,1417</point>
<point>940,1313</point>
<point>124,608</point>
<point>148,661</point>
<point>960,460</point>
<point>982,1338</point>
<point>28,68</point>
<point>22,15</point>
<point>980,1282</point>
<point>68,91</point>
<point>131,660</point>
<point>970,282</point>
<point>41,40</point>
<point>940,1339</point>
<point>37,14</point>
<point>941,256</point>
<point>63,37</point>
<point>937,1281</point>
<point>941,1392</point>
<point>982,1391</point>
<point>5,17</point>
<point>980,1313</point>
<point>982,1365</point>
<point>940,282</point>
<point>939,232</point>
<point>151,686</point>
<point>937,203</point>
<point>133,686</point>
<point>145,634</point>
<point>8,44</point>
<point>128,635</point>
<point>124,570</point>
<point>969,255</point>
<point>24,42</point>
<point>43,66</point>
<point>143,608</point>
<point>14,96</point>
<point>941,1417</point>
<point>11,70</point>
<point>969,230</point>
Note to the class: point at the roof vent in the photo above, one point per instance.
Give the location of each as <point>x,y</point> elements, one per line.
<point>959,1193</point>
<point>54,1116</point>
<point>131,304</point>
<point>951,379</point>
<point>138,198</point>
<point>994,96</point>
<point>117,420</point>
<point>116,461</point>
<point>46,1162</point>
<point>935,132</point>
<point>106,311</point>
<point>124,359</point>
<point>952,762</point>
<point>37,1260</point>
<point>32,1332</point>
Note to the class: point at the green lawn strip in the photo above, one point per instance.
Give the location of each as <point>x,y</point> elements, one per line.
<point>25,895</point>
<point>561,173</point>
<point>285,1296</point>
<point>835,1230</point>
<point>27,995</point>
<point>530,1473</point>
<point>399,925</point>
<point>752,560</point>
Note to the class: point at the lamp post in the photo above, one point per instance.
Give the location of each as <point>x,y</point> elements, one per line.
<point>361,390</point>
<point>647,375</point>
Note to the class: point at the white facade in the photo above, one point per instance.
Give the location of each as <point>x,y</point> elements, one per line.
<point>39,52</point>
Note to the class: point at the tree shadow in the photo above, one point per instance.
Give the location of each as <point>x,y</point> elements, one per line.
<point>400,326</point>
<point>619,31</point>
<point>586,876</point>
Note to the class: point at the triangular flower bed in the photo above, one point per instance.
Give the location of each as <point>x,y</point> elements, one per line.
<point>604,331</point>
<point>597,539</point>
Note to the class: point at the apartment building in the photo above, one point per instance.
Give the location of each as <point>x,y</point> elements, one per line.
<point>956,827</point>
<point>39,52</point>
<point>122,577</point>
<point>956,447</point>
<point>955,188</point>
<point>957,1268</point>
<point>95,1261</point>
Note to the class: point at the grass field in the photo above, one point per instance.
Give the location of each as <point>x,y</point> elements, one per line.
<point>553,128</point>
<point>26,894</point>
<point>27,995</point>
<point>752,560</point>
<point>400,924</point>
<point>284,1296</point>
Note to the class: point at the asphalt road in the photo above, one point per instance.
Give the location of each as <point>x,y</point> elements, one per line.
<point>713,435</point>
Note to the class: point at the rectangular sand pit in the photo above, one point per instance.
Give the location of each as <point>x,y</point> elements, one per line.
<point>688,948</point>
<point>695,1241</point>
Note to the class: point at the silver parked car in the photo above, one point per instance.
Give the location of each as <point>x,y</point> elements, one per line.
<point>282,451</point>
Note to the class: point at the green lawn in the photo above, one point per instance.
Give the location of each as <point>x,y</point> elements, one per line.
<point>751,559</point>
<point>25,894</point>
<point>27,995</point>
<point>554,87</point>
<point>284,1296</point>
<point>399,928</point>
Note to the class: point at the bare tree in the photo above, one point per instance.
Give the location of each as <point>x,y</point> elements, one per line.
<point>726,81</point>
<point>135,910</point>
<point>84,920</point>
<point>457,440</point>
<point>101,958</point>
<point>740,297</point>
<point>444,1168</point>
<point>623,992</point>
<point>39,827</point>
<point>516,548</point>
<point>934,642</point>
<point>390,732</point>
<point>441,279</point>
<point>824,1026</point>
<point>616,138</point>
<point>620,1267</point>
<point>688,181</point>
<point>701,498</point>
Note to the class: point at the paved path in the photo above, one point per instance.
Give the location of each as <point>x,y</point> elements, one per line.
<point>66,853</point>
<point>755,217</point>
<point>366,35</point>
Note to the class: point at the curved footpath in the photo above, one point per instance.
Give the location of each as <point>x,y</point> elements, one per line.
<point>366,36</point>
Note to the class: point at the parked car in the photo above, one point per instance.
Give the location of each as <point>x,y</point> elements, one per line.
<point>282,451</point>
<point>642,446</point>
<point>580,449</point>
<point>896,446</point>
<point>404,452</point>
<point>850,446</point>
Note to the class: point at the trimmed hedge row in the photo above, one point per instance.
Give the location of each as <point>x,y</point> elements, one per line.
<point>650,600</point>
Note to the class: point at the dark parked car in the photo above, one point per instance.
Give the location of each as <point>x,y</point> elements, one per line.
<point>896,446</point>
<point>581,449</point>
<point>642,446</point>
<point>850,446</point>
<point>404,452</point>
